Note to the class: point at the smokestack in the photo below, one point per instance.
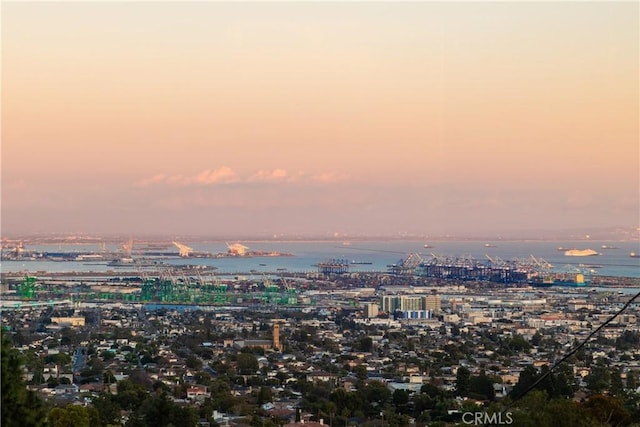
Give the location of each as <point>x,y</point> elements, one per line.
<point>276,337</point>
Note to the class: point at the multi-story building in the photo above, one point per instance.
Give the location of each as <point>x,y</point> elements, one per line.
<point>393,303</point>
<point>370,310</point>
<point>433,302</point>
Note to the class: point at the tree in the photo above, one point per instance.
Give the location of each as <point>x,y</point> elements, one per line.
<point>193,362</point>
<point>463,376</point>
<point>607,410</point>
<point>130,395</point>
<point>365,344</point>
<point>160,411</point>
<point>455,330</point>
<point>536,410</point>
<point>556,384</point>
<point>71,416</point>
<point>400,397</point>
<point>52,382</point>
<point>599,377</point>
<point>58,358</point>
<point>38,377</point>
<point>247,363</point>
<point>481,386</point>
<point>141,378</point>
<point>632,381</point>
<point>617,387</point>
<point>562,382</point>
<point>93,370</point>
<point>377,392</point>
<point>282,377</point>
<point>527,377</point>
<point>264,395</point>
<point>519,344</point>
<point>108,378</point>
<point>431,390</point>
<point>628,340</point>
<point>108,408</point>
<point>361,372</point>
<point>107,355</point>
<point>68,336</point>
<point>536,339</point>
<point>20,407</point>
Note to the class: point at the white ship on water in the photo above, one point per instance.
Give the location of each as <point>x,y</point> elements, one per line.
<point>581,252</point>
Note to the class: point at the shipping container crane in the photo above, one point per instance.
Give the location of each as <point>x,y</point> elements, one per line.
<point>185,250</point>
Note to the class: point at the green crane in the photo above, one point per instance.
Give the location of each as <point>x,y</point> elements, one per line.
<point>28,288</point>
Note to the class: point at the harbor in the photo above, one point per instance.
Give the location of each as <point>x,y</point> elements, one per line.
<point>304,256</point>
<point>242,279</point>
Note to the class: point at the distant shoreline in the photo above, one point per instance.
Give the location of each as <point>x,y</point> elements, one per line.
<point>346,239</point>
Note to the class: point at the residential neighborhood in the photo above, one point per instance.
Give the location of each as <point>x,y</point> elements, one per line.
<point>396,354</point>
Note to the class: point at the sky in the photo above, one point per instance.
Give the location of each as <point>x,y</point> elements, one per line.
<point>282,118</point>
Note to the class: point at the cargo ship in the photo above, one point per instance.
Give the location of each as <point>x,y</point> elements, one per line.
<point>130,262</point>
<point>581,252</point>
<point>561,279</point>
<point>634,255</point>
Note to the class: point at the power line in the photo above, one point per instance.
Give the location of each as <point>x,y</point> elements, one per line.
<point>570,353</point>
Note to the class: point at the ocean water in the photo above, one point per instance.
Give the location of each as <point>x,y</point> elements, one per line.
<point>381,254</point>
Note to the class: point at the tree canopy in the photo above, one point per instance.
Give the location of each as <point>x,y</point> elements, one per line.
<point>20,407</point>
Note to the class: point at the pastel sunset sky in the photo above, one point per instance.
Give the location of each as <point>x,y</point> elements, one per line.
<point>296,117</point>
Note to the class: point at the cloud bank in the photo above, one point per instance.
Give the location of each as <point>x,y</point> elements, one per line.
<point>226,175</point>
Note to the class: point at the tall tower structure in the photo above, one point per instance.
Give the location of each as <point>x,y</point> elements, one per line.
<point>276,337</point>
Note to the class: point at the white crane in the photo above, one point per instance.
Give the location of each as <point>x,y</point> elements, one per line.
<point>185,250</point>
<point>236,249</point>
<point>541,263</point>
<point>127,247</point>
<point>496,261</point>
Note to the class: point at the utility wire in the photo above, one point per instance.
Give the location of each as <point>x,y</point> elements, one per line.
<point>569,354</point>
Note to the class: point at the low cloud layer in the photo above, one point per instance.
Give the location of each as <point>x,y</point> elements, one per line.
<point>226,175</point>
